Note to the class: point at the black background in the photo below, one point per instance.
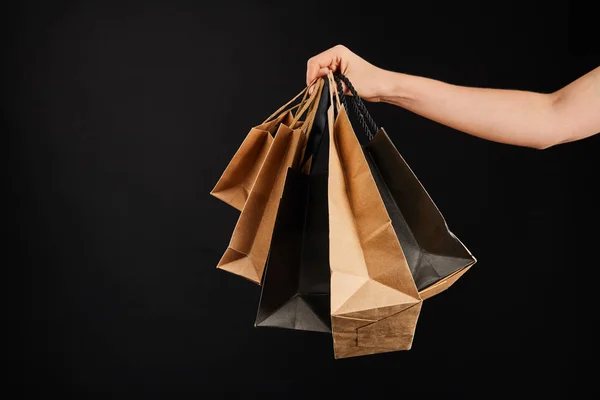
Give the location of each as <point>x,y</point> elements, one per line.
<point>122,116</point>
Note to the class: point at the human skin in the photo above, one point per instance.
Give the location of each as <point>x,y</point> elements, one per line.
<point>515,117</point>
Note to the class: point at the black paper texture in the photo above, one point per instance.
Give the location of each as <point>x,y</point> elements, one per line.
<point>296,284</point>
<point>432,251</point>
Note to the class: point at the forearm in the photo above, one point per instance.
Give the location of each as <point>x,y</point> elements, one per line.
<point>506,116</point>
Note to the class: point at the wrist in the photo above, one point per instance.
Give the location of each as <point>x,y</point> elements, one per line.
<point>393,87</point>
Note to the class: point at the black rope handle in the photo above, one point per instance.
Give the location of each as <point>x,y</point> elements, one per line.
<point>359,107</point>
<point>340,90</point>
<point>356,108</point>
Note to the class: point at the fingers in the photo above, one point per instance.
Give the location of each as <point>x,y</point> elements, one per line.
<point>322,63</point>
<point>322,72</point>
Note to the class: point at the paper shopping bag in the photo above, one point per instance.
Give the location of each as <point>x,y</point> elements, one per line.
<point>295,290</point>
<point>236,181</point>
<point>248,249</point>
<point>375,304</point>
<point>435,256</point>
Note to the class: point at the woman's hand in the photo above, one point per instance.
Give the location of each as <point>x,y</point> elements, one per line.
<point>368,80</point>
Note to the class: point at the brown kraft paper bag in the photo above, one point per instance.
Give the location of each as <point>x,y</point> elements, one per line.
<point>435,256</point>
<point>374,301</point>
<point>235,184</point>
<point>248,249</point>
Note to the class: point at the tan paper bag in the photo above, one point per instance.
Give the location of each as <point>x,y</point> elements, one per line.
<point>435,256</point>
<point>374,301</point>
<point>236,182</point>
<point>248,249</point>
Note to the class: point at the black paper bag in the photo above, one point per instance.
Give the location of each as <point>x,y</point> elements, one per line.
<point>432,251</point>
<point>296,286</point>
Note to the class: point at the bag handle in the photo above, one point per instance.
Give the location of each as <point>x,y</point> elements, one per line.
<point>319,117</point>
<point>309,106</point>
<point>284,107</point>
<point>359,107</point>
<point>334,92</point>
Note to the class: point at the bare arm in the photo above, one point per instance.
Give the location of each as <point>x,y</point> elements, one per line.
<point>515,117</point>
<point>521,118</point>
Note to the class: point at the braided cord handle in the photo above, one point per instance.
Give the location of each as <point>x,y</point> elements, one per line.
<point>359,107</point>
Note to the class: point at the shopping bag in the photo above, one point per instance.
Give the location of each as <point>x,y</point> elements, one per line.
<point>248,249</point>
<point>375,304</point>
<point>295,290</point>
<point>236,181</point>
<point>435,256</point>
